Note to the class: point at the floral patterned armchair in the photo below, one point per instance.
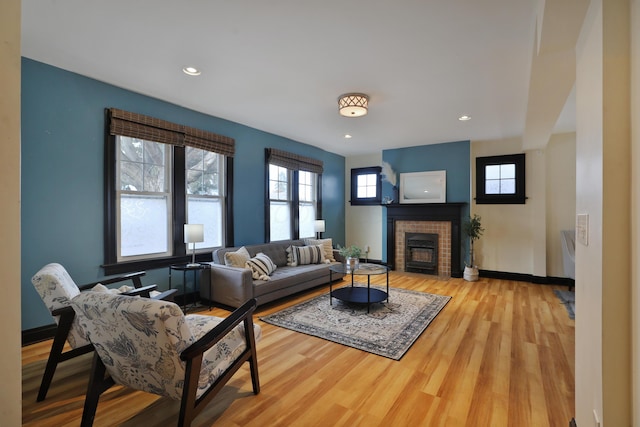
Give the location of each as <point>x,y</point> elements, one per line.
<point>56,288</point>
<point>152,346</point>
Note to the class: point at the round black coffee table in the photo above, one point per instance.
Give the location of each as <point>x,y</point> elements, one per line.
<point>357,293</point>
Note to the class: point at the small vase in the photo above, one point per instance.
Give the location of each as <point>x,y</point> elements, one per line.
<point>352,263</point>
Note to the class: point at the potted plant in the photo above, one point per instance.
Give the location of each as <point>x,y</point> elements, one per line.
<point>351,255</point>
<point>473,229</point>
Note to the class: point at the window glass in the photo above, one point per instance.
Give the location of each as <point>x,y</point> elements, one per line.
<point>492,172</point>
<point>280,203</point>
<point>143,225</point>
<point>203,176</point>
<point>500,179</point>
<point>204,205</point>
<point>306,186</point>
<point>283,207</point>
<point>307,203</point>
<point>280,220</point>
<point>307,220</point>
<point>144,198</point>
<point>508,171</point>
<point>207,211</point>
<point>493,186</point>
<point>366,186</point>
<point>278,183</point>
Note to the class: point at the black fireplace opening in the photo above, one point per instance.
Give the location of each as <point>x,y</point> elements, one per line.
<point>421,253</point>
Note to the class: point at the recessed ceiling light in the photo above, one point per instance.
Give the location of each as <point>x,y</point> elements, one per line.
<point>191,71</point>
<point>347,136</point>
<point>464,118</point>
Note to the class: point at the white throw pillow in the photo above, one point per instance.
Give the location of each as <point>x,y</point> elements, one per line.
<point>261,266</point>
<point>327,246</point>
<point>238,258</point>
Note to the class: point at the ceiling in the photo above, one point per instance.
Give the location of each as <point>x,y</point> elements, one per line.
<point>279,66</point>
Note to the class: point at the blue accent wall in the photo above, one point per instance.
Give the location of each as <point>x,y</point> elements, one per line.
<point>63,134</point>
<point>454,157</point>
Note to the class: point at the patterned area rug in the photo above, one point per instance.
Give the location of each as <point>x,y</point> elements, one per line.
<point>388,330</point>
<point>568,298</point>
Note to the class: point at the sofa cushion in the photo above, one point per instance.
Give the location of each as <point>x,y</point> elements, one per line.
<point>238,258</point>
<point>327,246</point>
<point>291,278</point>
<point>261,266</point>
<point>277,251</point>
<point>309,254</point>
<point>292,256</point>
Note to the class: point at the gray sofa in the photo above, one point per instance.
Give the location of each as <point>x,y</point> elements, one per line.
<point>232,286</point>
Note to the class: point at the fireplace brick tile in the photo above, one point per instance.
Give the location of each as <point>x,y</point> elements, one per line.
<point>441,228</point>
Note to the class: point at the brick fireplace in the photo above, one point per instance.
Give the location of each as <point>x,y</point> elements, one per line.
<point>404,258</point>
<point>442,219</point>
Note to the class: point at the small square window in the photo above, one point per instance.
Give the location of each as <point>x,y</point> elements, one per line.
<point>500,179</point>
<point>366,186</point>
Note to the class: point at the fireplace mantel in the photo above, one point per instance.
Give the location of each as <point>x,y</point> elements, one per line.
<point>451,212</point>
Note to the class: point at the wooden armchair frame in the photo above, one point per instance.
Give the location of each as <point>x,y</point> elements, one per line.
<point>65,322</point>
<point>190,407</point>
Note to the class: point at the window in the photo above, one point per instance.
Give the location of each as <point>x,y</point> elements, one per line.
<point>500,179</point>
<point>307,203</point>
<point>205,194</point>
<point>293,184</point>
<point>366,186</point>
<point>280,202</point>
<point>143,198</point>
<point>160,176</point>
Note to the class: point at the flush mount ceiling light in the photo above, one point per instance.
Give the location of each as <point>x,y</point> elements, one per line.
<point>353,104</point>
<point>464,118</point>
<point>191,71</point>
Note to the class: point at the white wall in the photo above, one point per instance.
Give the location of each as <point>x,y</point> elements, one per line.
<point>10,362</point>
<point>525,238</point>
<point>363,223</point>
<point>603,362</point>
<point>560,156</point>
<point>514,237</point>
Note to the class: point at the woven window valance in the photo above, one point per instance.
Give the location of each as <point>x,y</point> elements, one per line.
<point>293,161</point>
<point>140,126</point>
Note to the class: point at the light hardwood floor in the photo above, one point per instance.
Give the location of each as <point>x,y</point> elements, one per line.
<point>501,353</point>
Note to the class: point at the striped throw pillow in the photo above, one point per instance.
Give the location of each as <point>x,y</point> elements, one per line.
<point>309,254</point>
<point>261,267</point>
<point>327,245</point>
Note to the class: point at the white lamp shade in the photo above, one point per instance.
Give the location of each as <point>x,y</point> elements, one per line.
<point>193,233</point>
<point>318,226</point>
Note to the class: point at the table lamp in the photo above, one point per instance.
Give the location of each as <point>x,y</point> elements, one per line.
<point>318,227</point>
<point>193,233</point>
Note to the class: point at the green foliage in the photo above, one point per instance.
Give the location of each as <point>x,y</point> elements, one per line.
<point>473,227</point>
<point>350,251</point>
